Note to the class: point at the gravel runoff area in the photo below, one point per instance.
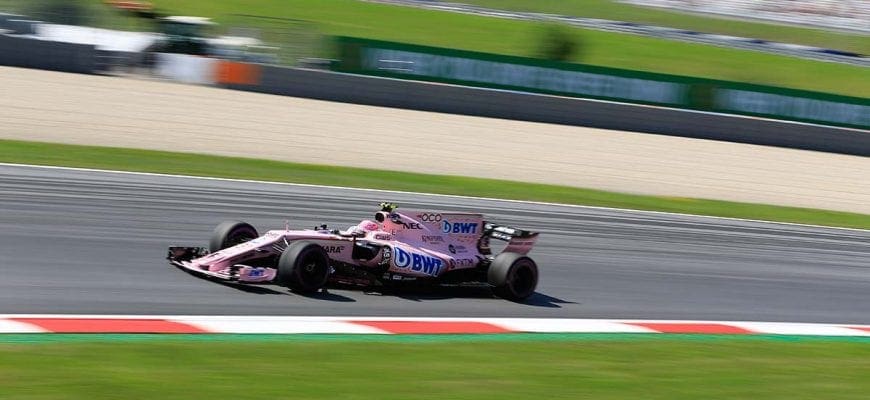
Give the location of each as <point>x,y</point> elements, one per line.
<point>111,111</point>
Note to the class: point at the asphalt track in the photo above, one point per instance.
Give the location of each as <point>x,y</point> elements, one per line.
<point>89,242</point>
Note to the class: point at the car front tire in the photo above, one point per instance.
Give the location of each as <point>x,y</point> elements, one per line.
<point>231,233</point>
<point>303,267</point>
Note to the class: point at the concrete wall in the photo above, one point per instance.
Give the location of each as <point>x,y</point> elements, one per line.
<point>41,54</point>
<point>332,86</point>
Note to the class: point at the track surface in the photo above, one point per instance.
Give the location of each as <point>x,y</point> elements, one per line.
<point>89,242</point>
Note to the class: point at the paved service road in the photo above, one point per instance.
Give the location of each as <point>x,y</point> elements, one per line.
<point>91,242</point>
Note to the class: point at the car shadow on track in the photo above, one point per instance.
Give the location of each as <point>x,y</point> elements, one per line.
<point>537,299</point>
<point>265,289</point>
<point>542,300</point>
<point>328,296</point>
<point>417,294</point>
<point>277,290</point>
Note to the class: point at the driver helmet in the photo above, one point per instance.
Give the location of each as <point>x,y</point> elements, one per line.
<point>363,228</point>
<point>368,225</point>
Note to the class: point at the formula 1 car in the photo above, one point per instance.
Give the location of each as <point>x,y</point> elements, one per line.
<point>425,247</point>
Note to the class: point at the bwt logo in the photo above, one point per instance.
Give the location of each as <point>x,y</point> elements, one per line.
<point>418,262</point>
<point>458,227</point>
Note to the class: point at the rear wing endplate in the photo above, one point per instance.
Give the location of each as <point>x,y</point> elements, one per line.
<point>519,240</point>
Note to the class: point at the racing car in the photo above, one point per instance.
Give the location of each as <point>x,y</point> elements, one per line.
<point>396,248</point>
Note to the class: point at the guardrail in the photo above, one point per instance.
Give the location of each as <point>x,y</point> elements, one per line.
<point>434,64</point>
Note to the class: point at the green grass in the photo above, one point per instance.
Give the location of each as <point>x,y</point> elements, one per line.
<point>90,13</point>
<point>521,38</point>
<point>245,168</point>
<point>613,10</point>
<point>670,368</point>
<point>40,338</point>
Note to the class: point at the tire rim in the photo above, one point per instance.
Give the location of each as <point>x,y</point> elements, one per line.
<point>522,280</point>
<point>312,270</point>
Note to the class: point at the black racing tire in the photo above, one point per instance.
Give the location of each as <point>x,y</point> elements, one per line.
<point>303,267</point>
<point>513,276</point>
<point>231,233</point>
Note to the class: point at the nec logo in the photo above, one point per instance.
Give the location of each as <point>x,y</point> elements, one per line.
<point>411,225</point>
<point>458,227</point>
<point>418,262</point>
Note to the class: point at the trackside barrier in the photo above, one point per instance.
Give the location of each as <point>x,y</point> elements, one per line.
<point>42,54</point>
<point>231,72</point>
<point>205,70</point>
<point>455,99</point>
<point>434,64</point>
<point>186,68</point>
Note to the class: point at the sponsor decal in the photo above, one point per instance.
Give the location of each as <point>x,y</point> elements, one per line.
<point>397,219</point>
<point>370,226</point>
<point>501,236</point>
<point>383,236</point>
<point>458,227</point>
<point>396,277</point>
<point>333,249</point>
<point>529,77</point>
<point>418,262</point>
<point>387,254</point>
<point>433,239</point>
<point>465,262</point>
<point>457,249</point>
<point>429,217</point>
<point>256,273</point>
<point>791,106</point>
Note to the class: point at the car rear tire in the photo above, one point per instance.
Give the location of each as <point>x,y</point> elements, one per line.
<point>303,267</point>
<point>513,276</point>
<point>231,233</point>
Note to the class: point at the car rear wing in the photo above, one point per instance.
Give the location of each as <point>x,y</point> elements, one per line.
<point>519,240</point>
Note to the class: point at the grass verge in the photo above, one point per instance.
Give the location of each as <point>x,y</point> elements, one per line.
<point>616,368</point>
<point>522,38</point>
<point>617,11</point>
<point>245,168</point>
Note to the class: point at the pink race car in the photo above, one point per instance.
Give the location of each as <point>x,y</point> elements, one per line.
<point>393,249</point>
